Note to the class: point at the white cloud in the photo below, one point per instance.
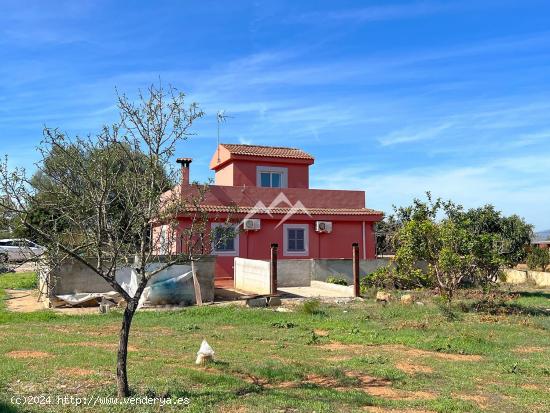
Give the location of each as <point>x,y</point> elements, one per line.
<point>414,134</point>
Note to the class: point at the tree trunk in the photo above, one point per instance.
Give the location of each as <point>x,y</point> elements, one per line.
<point>122,356</point>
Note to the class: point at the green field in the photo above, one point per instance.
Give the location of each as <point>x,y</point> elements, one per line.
<point>358,356</point>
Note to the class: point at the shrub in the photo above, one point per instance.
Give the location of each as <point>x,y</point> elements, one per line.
<point>313,307</point>
<point>337,280</point>
<point>538,258</point>
<point>395,276</point>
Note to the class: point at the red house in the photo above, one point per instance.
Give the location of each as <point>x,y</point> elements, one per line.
<point>266,192</point>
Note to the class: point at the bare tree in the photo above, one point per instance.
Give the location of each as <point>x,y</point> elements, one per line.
<point>101,210</point>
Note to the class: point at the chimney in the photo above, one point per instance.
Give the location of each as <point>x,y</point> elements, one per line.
<point>185,162</point>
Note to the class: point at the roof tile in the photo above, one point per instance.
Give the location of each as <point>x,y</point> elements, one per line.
<point>268,151</point>
<point>284,211</point>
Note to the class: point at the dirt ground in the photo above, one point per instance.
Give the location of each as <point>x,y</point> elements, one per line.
<point>26,301</point>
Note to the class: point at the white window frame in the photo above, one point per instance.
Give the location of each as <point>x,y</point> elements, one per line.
<point>286,252</point>
<point>272,169</point>
<point>235,251</point>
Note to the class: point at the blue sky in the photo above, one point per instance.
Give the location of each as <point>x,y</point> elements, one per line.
<point>394,98</point>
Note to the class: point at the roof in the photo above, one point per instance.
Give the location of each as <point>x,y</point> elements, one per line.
<point>268,151</point>
<point>284,211</point>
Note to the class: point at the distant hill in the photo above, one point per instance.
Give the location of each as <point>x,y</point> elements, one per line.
<point>542,235</point>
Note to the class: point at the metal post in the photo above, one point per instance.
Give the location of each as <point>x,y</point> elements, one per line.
<point>273,269</point>
<point>356,287</point>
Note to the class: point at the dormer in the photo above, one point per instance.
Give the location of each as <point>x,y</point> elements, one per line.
<point>261,166</point>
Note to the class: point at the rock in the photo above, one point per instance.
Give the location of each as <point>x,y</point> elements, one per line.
<point>383,296</point>
<point>406,299</point>
<point>274,301</point>
<point>283,310</point>
<point>419,303</point>
<point>257,302</point>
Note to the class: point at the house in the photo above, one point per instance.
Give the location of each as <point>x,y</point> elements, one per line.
<point>265,190</point>
<point>544,244</point>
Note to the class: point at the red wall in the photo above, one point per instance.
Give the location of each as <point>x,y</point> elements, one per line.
<point>337,244</point>
<point>242,172</point>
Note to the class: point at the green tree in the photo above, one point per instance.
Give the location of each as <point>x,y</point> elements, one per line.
<point>46,182</point>
<point>538,259</point>
<point>456,245</point>
<point>443,246</point>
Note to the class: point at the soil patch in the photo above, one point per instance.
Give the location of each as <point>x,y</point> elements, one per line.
<point>376,409</point>
<point>530,387</point>
<point>23,301</point>
<point>397,394</point>
<point>402,350</point>
<point>104,346</point>
<point>75,371</point>
<point>23,354</point>
<point>481,401</point>
<point>411,368</point>
<point>339,358</point>
<point>529,350</point>
<point>354,348</point>
<point>414,352</point>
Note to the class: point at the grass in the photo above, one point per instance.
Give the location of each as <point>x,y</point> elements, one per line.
<point>320,357</point>
<point>18,281</point>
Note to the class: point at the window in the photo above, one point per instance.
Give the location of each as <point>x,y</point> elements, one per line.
<point>296,239</point>
<point>225,239</point>
<point>272,177</point>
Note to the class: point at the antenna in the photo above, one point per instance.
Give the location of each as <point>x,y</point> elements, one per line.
<point>221,118</point>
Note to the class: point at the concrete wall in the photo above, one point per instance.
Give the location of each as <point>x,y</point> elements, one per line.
<point>300,272</point>
<point>322,269</point>
<point>294,273</point>
<point>539,278</point>
<point>252,276</point>
<point>73,277</point>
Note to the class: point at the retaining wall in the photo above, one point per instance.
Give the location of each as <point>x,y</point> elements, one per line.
<point>539,278</point>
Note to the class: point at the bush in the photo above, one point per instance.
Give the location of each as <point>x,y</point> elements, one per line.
<point>395,277</point>
<point>538,258</point>
<point>312,307</point>
<point>337,280</point>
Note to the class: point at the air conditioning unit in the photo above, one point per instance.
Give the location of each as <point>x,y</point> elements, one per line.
<point>252,224</point>
<point>323,226</point>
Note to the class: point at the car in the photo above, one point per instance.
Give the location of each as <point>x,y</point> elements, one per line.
<point>19,250</point>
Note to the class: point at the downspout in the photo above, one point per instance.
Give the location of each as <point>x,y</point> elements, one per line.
<point>364,244</point>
